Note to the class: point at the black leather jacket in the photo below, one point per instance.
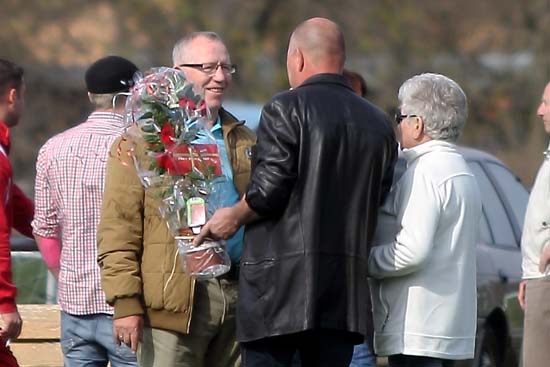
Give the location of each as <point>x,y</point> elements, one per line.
<point>324,163</point>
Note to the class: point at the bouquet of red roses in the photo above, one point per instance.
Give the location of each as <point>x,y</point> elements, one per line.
<point>178,162</point>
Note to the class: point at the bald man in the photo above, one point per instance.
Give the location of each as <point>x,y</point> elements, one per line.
<point>324,163</point>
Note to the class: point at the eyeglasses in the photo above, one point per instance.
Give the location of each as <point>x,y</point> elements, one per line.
<point>210,68</point>
<point>399,117</point>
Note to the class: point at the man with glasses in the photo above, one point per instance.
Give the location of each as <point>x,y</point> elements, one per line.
<point>189,323</point>
<point>204,59</point>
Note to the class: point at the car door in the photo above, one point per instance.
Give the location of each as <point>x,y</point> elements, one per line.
<point>504,202</point>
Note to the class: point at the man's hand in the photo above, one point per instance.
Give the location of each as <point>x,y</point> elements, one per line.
<point>521,294</point>
<point>226,221</point>
<point>128,330</point>
<point>544,258</point>
<point>223,224</point>
<point>12,325</point>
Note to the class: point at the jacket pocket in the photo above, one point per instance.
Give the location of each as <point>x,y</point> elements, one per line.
<point>243,155</point>
<point>257,276</point>
<point>380,306</point>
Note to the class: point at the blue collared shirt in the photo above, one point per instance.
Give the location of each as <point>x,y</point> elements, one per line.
<point>224,193</point>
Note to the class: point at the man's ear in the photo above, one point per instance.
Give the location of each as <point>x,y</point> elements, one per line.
<point>90,97</point>
<point>12,95</point>
<point>418,130</point>
<point>300,59</point>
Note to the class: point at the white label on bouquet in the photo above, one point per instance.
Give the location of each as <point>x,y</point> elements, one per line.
<point>196,212</point>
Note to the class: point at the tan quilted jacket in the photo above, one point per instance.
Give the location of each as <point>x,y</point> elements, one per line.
<point>136,252</point>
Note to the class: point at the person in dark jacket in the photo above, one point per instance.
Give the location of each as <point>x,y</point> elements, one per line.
<point>324,163</point>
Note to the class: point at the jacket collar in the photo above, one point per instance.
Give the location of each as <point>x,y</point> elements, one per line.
<point>4,136</point>
<point>327,78</point>
<point>228,120</point>
<point>414,153</point>
<point>547,152</point>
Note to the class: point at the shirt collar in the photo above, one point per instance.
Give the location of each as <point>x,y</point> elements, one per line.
<point>106,116</point>
<point>413,153</point>
<point>217,125</point>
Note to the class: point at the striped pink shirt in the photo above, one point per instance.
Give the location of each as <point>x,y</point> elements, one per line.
<point>70,174</point>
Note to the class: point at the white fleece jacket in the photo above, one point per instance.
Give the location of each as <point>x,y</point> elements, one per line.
<point>423,265</point>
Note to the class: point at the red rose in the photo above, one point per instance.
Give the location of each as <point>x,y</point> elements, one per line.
<point>167,134</point>
<point>202,108</point>
<point>187,103</point>
<point>165,161</point>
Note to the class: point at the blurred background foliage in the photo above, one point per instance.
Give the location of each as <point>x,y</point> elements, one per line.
<point>498,50</point>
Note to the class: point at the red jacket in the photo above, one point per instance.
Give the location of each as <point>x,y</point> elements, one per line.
<point>16,211</point>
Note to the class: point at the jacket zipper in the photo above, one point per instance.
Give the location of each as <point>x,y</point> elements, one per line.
<point>270,259</point>
<point>190,307</point>
<point>385,306</point>
<point>228,136</point>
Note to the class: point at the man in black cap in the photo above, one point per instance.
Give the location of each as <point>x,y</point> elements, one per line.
<point>70,172</point>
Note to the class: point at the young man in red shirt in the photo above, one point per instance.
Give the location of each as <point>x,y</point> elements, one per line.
<point>16,209</point>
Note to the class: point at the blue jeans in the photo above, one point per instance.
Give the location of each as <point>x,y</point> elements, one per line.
<point>87,341</point>
<point>362,356</point>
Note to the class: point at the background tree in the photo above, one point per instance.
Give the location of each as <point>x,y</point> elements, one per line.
<point>498,50</point>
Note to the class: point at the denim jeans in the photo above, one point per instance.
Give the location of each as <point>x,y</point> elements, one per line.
<point>362,356</point>
<point>87,341</point>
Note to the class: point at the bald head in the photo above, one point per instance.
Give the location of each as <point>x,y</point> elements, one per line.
<point>322,41</point>
<point>316,46</point>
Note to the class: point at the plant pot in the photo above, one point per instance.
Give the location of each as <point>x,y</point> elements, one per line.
<point>206,261</point>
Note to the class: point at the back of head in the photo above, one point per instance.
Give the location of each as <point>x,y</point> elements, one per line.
<point>107,77</point>
<point>11,76</point>
<point>357,82</point>
<point>321,42</point>
<point>439,100</point>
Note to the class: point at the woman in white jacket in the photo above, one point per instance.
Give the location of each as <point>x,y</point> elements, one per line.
<point>423,263</point>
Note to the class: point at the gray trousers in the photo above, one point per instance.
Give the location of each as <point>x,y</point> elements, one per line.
<point>536,325</point>
<point>211,341</point>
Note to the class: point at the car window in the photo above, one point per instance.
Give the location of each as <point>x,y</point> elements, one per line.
<point>513,190</point>
<point>485,230</point>
<point>500,227</point>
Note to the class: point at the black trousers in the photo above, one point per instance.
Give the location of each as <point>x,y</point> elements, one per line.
<point>401,360</point>
<point>315,348</point>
